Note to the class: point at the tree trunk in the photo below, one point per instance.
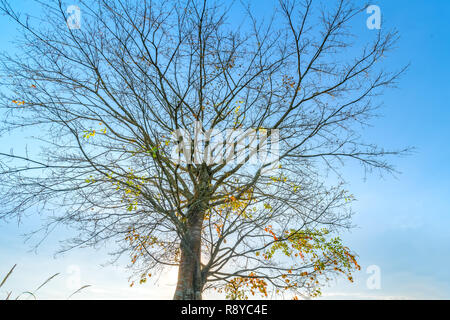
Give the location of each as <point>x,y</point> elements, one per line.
<point>190,282</point>
<point>190,278</point>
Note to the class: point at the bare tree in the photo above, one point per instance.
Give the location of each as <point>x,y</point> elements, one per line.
<point>105,100</point>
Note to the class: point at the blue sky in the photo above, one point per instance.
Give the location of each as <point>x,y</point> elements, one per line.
<point>401,222</point>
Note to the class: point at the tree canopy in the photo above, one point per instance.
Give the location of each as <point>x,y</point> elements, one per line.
<point>118,105</point>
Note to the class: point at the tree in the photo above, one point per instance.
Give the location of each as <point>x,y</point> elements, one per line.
<point>131,111</point>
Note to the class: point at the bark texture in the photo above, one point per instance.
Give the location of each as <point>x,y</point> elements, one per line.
<point>190,282</point>
<point>190,277</point>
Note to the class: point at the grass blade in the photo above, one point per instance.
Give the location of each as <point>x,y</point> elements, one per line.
<point>83,287</point>
<point>46,281</point>
<point>26,292</point>
<point>7,276</point>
